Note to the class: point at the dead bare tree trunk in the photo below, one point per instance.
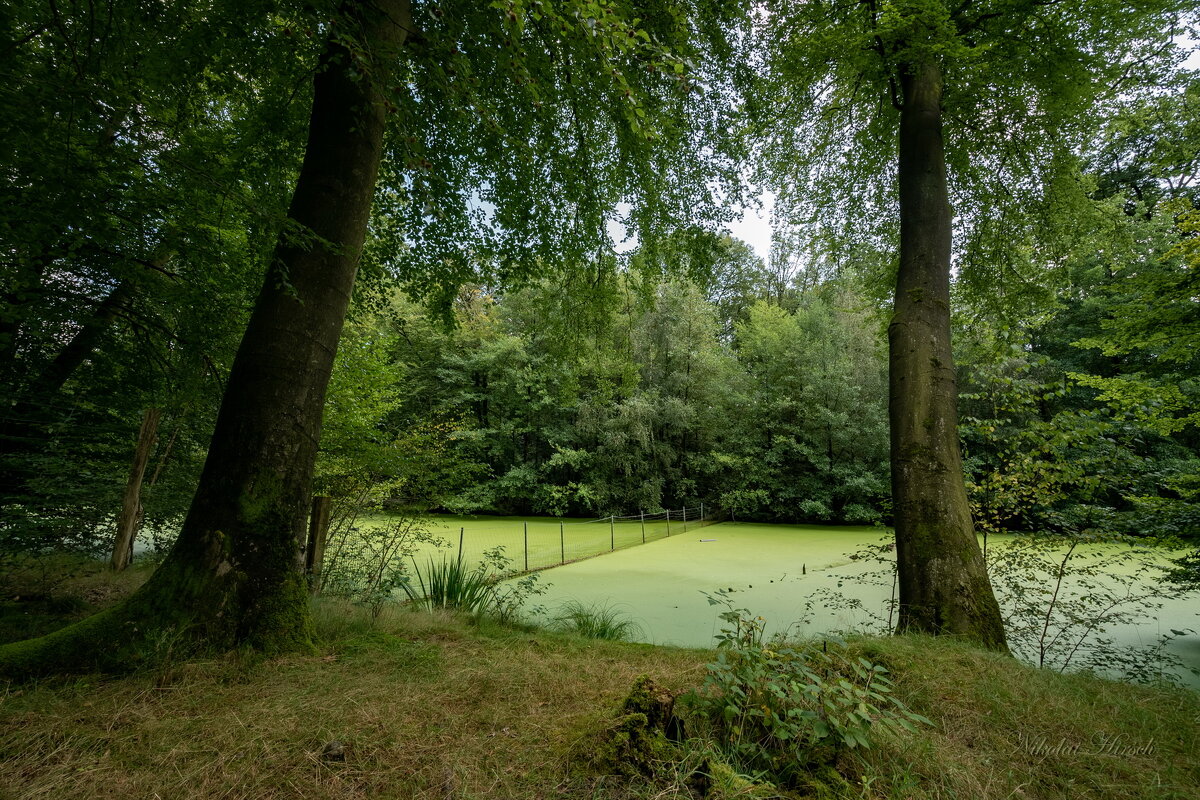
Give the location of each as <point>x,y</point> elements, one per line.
<point>318,531</point>
<point>131,503</point>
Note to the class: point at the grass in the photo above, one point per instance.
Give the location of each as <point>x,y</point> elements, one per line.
<point>41,594</point>
<point>450,584</point>
<point>435,705</point>
<point>598,621</point>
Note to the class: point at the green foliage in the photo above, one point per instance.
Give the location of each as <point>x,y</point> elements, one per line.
<point>366,564</point>
<point>1152,313</point>
<point>1025,84</point>
<point>815,447</point>
<point>598,621</point>
<point>647,404</point>
<point>1061,594</point>
<point>781,709</point>
<point>510,594</point>
<point>548,115</point>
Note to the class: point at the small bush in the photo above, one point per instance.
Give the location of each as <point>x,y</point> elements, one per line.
<point>595,621</point>
<point>366,564</point>
<point>781,710</point>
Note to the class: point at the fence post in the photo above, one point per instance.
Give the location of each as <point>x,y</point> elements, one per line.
<point>318,528</point>
<point>460,538</point>
<point>685,519</point>
<point>642,514</point>
<point>562,543</point>
<point>702,512</point>
<point>668,522</point>
<point>612,532</point>
<point>527,547</point>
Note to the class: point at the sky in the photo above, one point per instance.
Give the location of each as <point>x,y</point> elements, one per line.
<point>754,226</point>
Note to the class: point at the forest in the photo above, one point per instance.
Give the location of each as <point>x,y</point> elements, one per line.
<point>437,259</point>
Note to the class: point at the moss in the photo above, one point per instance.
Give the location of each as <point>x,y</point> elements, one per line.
<point>629,747</point>
<point>657,703</point>
<point>726,783</point>
<point>278,620</point>
<point>636,743</point>
<point>823,781</point>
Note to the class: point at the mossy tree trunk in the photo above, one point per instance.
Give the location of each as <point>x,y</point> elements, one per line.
<point>235,576</point>
<point>944,588</point>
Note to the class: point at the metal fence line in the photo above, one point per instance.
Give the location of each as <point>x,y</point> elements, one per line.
<point>531,544</point>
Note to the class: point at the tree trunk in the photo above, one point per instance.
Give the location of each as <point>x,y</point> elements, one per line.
<point>235,576</point>
<point>131,502</point>
<point>318,532</point>
<point>944,587</point>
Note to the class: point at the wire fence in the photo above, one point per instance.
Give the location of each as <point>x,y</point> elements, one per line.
<point>537,543</point>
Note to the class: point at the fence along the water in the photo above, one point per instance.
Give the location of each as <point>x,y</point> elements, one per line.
<point>545,542</point>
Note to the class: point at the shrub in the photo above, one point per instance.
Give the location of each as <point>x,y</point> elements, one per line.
<point>365,564</point>
<point>449,584</point>
<point>780,710</point>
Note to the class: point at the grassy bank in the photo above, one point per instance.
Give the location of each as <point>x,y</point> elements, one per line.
<point>434,706</point>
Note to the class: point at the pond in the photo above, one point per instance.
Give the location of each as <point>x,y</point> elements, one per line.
<point>803,579</point>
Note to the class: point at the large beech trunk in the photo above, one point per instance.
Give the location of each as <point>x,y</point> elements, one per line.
<point>235,576</point>
<point>944,587</point>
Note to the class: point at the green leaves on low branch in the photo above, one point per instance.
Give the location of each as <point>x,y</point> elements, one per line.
<point>1061,595</point>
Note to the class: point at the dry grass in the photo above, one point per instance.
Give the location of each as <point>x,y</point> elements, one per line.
<point>426,706</point>
<point>432,706</point>
<point>1006,730</point>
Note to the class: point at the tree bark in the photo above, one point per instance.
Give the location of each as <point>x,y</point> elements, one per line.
<point>235,575</point>
<point>944,588</point>
<point>131,501</point>
<point>318,532</point>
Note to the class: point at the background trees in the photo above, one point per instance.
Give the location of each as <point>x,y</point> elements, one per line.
<point>645,404</point>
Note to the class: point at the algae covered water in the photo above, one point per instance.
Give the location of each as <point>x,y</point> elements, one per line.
<point>806,581</point>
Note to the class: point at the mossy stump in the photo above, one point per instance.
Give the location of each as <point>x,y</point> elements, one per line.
<point>641,738</point>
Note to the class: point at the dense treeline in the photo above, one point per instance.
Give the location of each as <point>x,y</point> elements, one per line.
<point>626,397</point>
<point>637,403</point>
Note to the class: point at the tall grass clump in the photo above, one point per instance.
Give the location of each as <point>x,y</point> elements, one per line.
<point>595,621</point>
<point>450,584</point>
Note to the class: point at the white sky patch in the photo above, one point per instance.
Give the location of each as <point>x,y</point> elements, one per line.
<point>754,225</point>
<point>624,239</point>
